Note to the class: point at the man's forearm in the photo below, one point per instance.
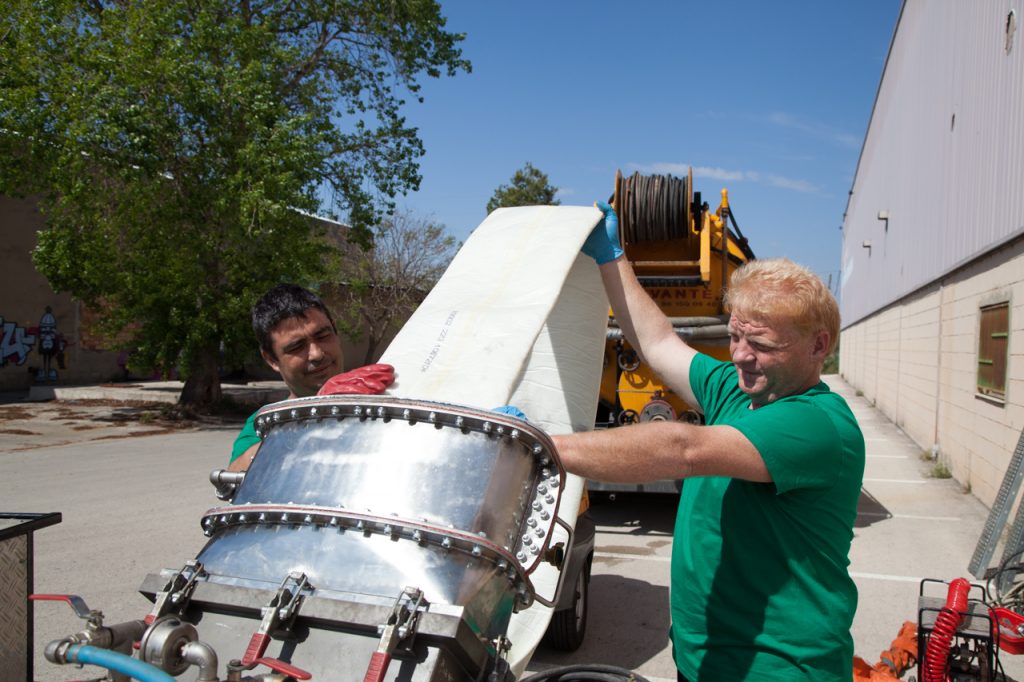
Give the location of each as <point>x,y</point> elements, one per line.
<point>627,454</point>
<point>654,451</point>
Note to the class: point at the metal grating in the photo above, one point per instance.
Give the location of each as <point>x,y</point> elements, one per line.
<point>14,634</point>
<point>999,513</point>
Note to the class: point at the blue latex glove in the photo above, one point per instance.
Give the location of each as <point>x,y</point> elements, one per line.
<point>603,243</point>
<point>511,410</point>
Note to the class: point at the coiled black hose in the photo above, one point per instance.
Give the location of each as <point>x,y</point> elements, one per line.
<point>653,208</point>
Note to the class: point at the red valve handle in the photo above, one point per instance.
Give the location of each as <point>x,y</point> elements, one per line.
<point>279,666</point>
<point>254,656</point>
<point>76,603</point>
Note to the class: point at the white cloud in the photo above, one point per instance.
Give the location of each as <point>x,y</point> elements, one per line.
<point>727,175</point>
<point>790,183</point>
<point>721,174</point>
<point>677,169</point>
<point>815,129</point>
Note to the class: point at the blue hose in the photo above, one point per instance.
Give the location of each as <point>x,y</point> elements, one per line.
<point>111,660</point>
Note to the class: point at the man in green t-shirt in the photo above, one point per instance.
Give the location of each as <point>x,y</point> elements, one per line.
<point>760,582</point>
<point>298,339</point>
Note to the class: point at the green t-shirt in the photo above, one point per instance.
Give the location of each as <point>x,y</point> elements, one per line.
<point>246,438</point>
<point>760,586</point>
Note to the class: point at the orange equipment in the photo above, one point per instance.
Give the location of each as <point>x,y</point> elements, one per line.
<point>893,662</point>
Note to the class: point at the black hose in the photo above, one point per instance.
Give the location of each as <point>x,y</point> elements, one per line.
<point>1006,566</point>
<point>586,673</point>
<point>741,241</point>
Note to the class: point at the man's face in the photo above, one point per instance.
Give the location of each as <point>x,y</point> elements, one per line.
<point>307,352</point>
<point>774,359</point>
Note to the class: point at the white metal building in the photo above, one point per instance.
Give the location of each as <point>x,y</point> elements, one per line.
<point>932,290</point>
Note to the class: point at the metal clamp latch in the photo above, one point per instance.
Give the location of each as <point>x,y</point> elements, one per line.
<point>177,591</point>
<point>279,613</point>
<point>400,626</point>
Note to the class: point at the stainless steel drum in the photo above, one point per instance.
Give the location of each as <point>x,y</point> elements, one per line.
<point>369,495</point>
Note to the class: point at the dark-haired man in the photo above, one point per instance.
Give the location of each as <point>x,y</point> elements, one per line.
<point>298,339</point>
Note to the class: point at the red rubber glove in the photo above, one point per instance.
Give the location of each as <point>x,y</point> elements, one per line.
<point>368,380</point>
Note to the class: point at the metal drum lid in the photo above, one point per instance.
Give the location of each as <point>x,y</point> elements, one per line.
<point>441,476</point>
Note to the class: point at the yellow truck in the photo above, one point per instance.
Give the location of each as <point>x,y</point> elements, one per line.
<point>683,254</point>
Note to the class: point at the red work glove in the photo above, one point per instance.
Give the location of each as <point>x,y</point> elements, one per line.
<point>368,380</point>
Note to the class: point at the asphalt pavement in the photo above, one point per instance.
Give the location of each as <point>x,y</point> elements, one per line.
<point>131,487</point>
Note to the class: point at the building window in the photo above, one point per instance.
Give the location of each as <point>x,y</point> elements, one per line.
<point>993,342</point>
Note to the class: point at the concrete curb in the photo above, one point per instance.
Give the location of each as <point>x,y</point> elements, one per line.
<point>253,393</point>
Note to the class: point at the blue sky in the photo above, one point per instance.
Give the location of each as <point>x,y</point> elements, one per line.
<point>769,99</point>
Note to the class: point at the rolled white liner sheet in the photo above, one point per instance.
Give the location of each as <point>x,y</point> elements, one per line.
<point>518,318</point>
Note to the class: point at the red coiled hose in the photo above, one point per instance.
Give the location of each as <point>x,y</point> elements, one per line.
<point>946,623</point>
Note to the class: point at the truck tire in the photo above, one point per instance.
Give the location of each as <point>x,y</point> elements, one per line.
<point>568,626</point>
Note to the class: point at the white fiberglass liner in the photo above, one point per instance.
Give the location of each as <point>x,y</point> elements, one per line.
<point>518,318</point>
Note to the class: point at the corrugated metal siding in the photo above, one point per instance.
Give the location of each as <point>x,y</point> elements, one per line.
<point>953,187</point>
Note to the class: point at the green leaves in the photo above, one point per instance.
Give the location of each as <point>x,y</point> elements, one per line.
<point>177,149</point>
<point>529,187</point>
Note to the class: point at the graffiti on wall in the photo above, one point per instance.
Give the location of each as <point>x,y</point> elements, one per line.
<point>51,346</point>
<point>16,344</point>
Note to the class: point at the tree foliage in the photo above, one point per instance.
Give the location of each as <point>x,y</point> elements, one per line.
<point>175,146</point>
<point>529,187</point>
<point>381,287</point>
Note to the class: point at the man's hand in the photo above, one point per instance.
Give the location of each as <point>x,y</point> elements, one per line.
<point>603,243</point>
<point>367,380</point>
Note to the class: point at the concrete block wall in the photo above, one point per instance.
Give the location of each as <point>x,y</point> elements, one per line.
<point>892,357</point>
<point>917,361</point>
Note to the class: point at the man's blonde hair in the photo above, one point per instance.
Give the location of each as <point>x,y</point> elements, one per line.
<point>779,289</point>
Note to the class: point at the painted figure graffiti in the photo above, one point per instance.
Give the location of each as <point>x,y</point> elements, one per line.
<point>51,345</point>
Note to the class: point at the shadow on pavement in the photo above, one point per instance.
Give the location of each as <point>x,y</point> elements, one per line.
<point>627,625</point>
<point>635,513</point>
<point>870,510</point>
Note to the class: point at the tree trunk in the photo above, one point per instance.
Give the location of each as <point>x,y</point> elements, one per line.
<point>202,388</point>
<point>371,350</point>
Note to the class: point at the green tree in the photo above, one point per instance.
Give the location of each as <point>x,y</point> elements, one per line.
<point>529,187</point>
<point>177,148</point>
<point>381,287</point>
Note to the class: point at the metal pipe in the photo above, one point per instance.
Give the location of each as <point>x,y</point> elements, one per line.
<point>718,331</point>
<point>226,482</point>
<point>220,477</point>
<point>725,241</point>
<point>118,637</point>
<point>202,655</point>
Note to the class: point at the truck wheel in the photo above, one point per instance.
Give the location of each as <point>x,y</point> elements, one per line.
<point>568,626</point>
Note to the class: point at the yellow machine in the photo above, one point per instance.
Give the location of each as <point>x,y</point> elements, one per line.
<point>683,255</point>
